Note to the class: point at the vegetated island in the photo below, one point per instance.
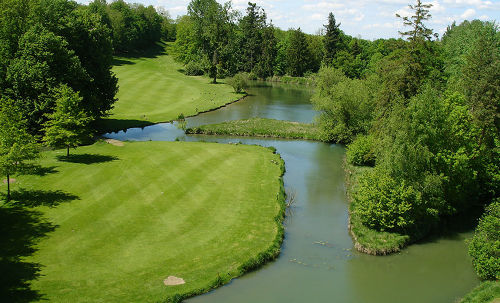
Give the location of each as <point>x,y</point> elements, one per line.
<point>260,127</point>
<point>121,221</point>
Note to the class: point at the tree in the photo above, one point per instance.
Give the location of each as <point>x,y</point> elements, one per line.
<point>252,26</point>
<point>16,145</point>
<point>484,247</point>
<point>418,29</point>
<point>332,39</point>
<point>212,28</point>
<point>265,66</point>
<point>68,124</point>
<point>481,86</point>
<point>42,63</point>
<point>298,54</point>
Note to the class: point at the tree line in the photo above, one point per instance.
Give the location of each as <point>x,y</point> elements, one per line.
<point>426,117</point>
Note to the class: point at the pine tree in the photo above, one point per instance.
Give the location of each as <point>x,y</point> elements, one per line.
<point>332,40</point>
<point>418,29</point>
<point>298,55</point>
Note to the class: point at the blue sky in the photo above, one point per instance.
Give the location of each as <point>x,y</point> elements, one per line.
<point>369,19</point>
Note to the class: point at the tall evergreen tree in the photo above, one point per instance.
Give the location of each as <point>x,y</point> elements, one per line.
<point>252,26</point>
<point>415,22</point>
<point>298,54</point>
<point>332,39</point>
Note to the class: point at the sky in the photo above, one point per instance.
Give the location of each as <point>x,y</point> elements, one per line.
<point>368,19</point>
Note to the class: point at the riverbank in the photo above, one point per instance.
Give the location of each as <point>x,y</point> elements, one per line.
<point>260,127</point>
<point>486,292</point>
<point>125,217</point>
<point>367,240</point>
<point>154,89</point>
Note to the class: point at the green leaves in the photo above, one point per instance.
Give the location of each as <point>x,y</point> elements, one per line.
<point>16,145</point>
<point>484,247</point>
<point>68,126</point>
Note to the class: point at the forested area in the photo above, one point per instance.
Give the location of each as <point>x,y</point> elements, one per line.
<point>55,69</point>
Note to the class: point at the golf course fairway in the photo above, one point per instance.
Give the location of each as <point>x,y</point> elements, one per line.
<point>125,217</point>
<point>153,89</point>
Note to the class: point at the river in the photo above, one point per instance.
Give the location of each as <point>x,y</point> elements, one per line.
<point>318,262</point>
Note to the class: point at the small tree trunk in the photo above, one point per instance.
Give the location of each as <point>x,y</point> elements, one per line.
<point>67,151</point>
<point>8,187</point>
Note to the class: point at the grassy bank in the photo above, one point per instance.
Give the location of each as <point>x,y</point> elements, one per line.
<point>110,223</point>
<point>309,80</point>
<point>153,89</point>
<point>486,292</point>
<point>367,240</point>
<point>260,127</point>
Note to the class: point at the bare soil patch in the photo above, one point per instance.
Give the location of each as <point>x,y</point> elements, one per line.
<point>114,142</point>
<point>172,281</point>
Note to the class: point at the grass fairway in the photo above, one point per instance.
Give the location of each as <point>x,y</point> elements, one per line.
<point>127,217</point>
<point>153,89</point>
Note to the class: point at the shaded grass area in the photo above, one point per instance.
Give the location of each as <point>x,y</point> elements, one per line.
<point>153,89</point>
<point>486,292</point>
<point>118,227</point>
<point>368,240</point>
<point>260,127</point>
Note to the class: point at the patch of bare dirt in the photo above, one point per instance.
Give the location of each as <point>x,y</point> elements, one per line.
<point>172,281</point>
<point>11,180</point>
<point>114,142</point>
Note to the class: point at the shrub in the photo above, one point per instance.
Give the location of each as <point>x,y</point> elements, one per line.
<point>239,82</point>
<point>193,69</point>
<point>384,204</point>
<point>484,247</point>
<point>361,151</point>
<point>252,76</point>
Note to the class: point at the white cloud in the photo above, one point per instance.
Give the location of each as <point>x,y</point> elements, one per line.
<point>468,13</point>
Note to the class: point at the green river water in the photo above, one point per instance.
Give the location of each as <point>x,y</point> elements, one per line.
<point>318,262</point>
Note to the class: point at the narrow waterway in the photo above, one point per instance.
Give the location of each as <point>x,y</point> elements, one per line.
<point>318,262</point>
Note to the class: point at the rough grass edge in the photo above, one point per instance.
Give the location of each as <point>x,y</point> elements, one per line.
<point>488,290</point>
<point>352,221</point>
<point>262,258</point>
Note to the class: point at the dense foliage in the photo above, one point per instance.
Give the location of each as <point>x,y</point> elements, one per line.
<point>223,42</point>
<point>484,247</point>
<point>426,113</point>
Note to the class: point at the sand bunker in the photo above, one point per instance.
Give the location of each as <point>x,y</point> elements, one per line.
<point>114,142</point>
<point>171,281</point>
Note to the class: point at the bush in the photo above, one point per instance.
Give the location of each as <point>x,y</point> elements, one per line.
<point>484,247</point>
<point>252,76</point>
<point>361,151</point>
<point>384,204</point>
<point>239,82</point>
<point>193,69</point>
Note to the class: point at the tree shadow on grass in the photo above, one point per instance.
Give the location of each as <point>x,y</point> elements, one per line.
<point>152,51</point>
<point>35,197</point>
<point>38,170</point>
<point>86,158</point>
<point>20,230</point>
